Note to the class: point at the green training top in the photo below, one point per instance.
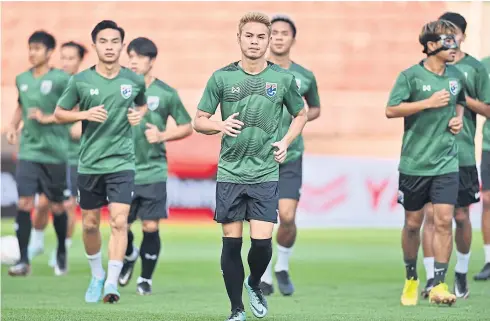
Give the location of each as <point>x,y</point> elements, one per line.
<point>105,147</point>
<point>42,143</point>
<point>428,147</point>
<point>486,126</point>
<point>249,158</point>
<point>308,89</point>
<point>477,87</point>
<point>151,159</point>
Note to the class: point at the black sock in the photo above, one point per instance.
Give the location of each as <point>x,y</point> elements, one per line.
<point>60,223</point>
<point>150,249</point>
<point>129,248</point>
<point>24,225</point>
<point>232,269</point>
<point>440,270</point>
<point>259,257</point>
<point>411,268</point>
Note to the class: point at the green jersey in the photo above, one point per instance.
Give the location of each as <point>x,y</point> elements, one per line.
<point>486,126</point>
<point>259,99</point>
<point>73,150</point>
<point>42,143</point>
<point>428,147</point>
<point>306,82</point>
<point>151,159</point>
<point>477,87</point>
<point>105,147</point>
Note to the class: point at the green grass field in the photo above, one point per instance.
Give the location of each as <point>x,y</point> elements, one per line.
<point>338,274</point>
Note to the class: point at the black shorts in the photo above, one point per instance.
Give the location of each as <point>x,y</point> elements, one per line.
<point>38,178</point>
<point>97,190</point>
<point>416,191</point>
<point>485,170</point>
<point>238,202</point>
<point>71,181</point>
<point>290,179</point>
<point>149,202</point>
<point>469,186</point>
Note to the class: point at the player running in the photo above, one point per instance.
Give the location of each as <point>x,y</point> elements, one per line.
<point>291,171</point>
<point>105,94</point>
<point>43,148</point>
<point>477,92</point>
<point>485,178</point>
<point>251,93</point>
<point>430,97</point>
<point>72,55</point>
<point>150,191</point>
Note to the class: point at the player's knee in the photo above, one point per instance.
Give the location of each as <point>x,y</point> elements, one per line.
<point>57,208</point>
<point>485,196</point>
<point>413,223</point>
<point>462,217</point>
<point>90,224</point>
<point>25,204</point>
<point>150,226</point>
<point>286,218</point>
<point>443,223</point>
<point>119,222</point>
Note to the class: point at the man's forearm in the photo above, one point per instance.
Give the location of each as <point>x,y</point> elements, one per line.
<point>478,107</point>
<point>296,127</point>
<point>313,113</point>
<point>180,132</point>
<point>207,126</point>
<point>68,116</point>
<point>406,109</point>
<point>16,118</point>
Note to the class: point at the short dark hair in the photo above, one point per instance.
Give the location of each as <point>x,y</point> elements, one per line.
<point>80,48</point>
<point>44,38</point>
<point>106,24</point>
<point>143,47</point>
<point>287,20</point>
<point>456,19</point>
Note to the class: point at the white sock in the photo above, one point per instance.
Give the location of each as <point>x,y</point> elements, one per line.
<point>95,262</point>
<point>429,267</point>
<point>463,260</point>
<point>140,280</point>
<point>68,243</point>
<point>113,271</point>
<point>486,248</point>
<point>37,238</point>
<point>283,254</point>
<point>267,276</point>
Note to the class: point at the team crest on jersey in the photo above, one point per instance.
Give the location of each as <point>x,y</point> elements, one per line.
<point>46,86</point>
<point>298,83</point>
<point>24,87</point>
<point>454,87</point>
<point>270,89</point>
<point>126,91</point>
<point>153,102</point>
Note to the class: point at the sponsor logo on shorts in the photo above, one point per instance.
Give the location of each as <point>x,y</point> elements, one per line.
<point>401,197</point>
<point>66,193</point>
<point>477,195</point>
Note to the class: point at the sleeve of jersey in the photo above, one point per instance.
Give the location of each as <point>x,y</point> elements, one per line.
<point>70,98</point>
<point>178,111</point>
<point>483,85</point>
<point>292,99</point>
<point>211,97</point>
<point>400,92</point>
<point>311,96</point>
<point>140,99</point>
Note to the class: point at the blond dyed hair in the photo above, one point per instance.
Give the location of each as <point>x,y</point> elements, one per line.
<point>439,27</point>
<point>258,17</point>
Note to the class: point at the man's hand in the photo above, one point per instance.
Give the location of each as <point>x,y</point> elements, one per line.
<point>11,135</point>
<point>281,152</point>
<point>231,126</point>
<point>152,134</point>
<point>455,125</point>
<point>96,114</point>
<point>439,99</point>
<point>35,114</point>
<point>134,117</point>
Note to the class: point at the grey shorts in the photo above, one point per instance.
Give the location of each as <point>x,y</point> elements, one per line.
<point>291,179</point>
<point>239,202</point>
<point>149,202</point>
<point>485,170</point>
